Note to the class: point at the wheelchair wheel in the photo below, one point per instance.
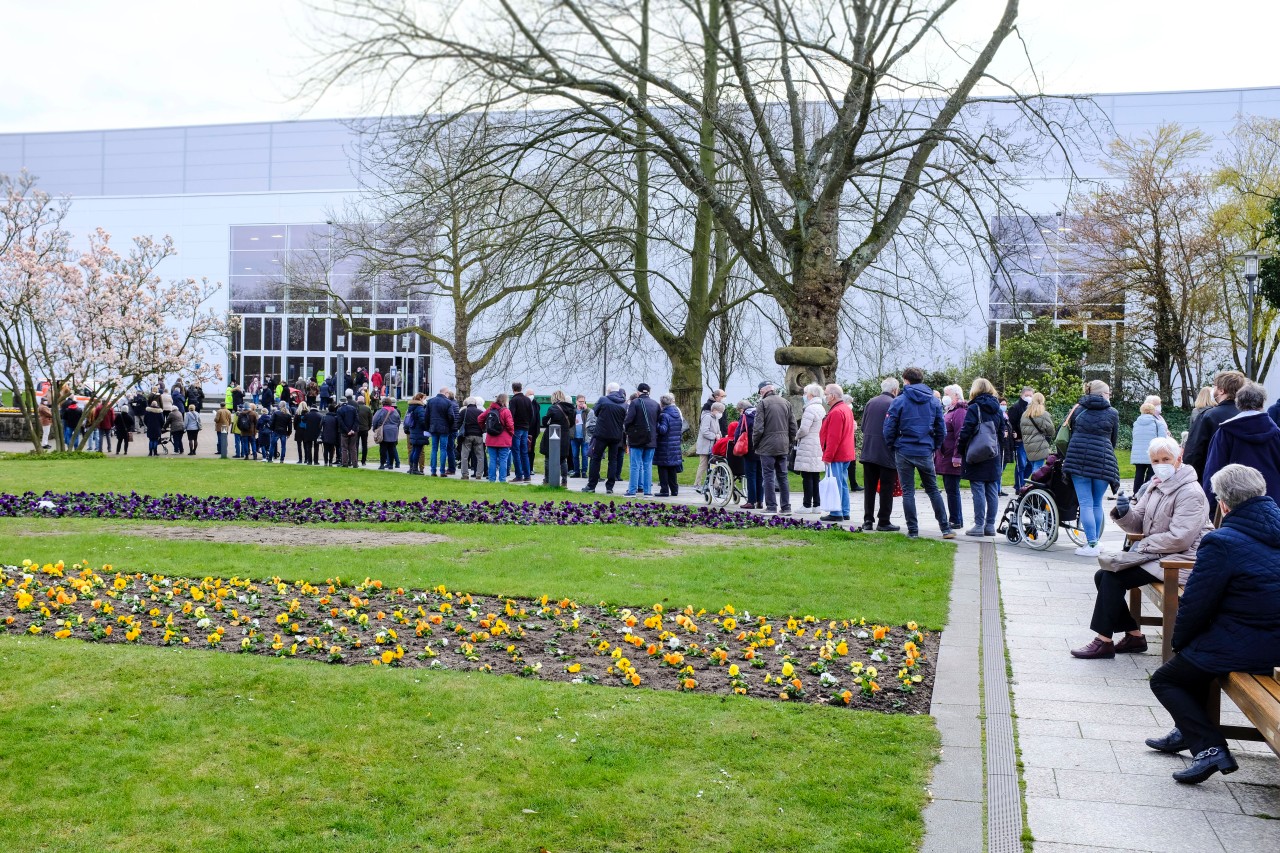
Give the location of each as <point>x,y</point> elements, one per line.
<point>1075,534</point>
<point>719,485</point>
<point>1037,520</point>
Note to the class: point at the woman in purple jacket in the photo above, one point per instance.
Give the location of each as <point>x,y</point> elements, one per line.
<point>947,459</point>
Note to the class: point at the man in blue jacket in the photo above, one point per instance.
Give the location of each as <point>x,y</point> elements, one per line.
<point>1226,621</point>
<point>610,412</point>
<point>913,430</point>
<point>440,415</point>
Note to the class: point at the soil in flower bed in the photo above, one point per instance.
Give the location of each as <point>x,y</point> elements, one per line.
<point>797,657</point>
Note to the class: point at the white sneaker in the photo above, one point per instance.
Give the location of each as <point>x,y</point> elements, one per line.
<point>1086,551</point>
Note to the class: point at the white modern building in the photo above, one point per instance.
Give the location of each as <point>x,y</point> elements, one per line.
<point>239,199</point>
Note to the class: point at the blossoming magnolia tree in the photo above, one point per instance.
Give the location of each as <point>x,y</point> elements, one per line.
<point>99,323</point>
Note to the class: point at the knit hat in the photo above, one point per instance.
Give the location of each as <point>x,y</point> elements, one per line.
<point>643,387</point>
<point>765,384</point>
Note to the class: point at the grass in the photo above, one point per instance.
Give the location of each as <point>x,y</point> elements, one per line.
<point>151,749</point>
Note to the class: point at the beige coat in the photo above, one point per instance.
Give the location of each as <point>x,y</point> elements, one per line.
<point>1037,436</point>
<point>1172,516</point>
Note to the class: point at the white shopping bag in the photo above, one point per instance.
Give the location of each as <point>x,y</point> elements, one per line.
<point>829,494</point>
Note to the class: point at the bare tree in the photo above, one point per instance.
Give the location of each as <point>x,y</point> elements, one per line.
<point>831,127</point>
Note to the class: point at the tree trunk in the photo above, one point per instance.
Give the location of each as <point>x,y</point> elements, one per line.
<point>686,379</point>
<point>814,315</point>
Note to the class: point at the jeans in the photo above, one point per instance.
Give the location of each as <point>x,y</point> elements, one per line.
<point>753,473</point>
<point>152,444</point>
<point>66,436</point>
<point>578,455</point>
<point>614,469</point>
<point>986,503</point>
<point>222,445</point>
<point>1034,466</point>
<point>415,456</point>
<point>882,479</point>
<point>1111,608</point>
<point>520,454</point>
<point>1183,689</point>
<point>907,468</point>
<point>641,470</point>
<point>1089,492</point>
<point>499,457</point>
<point>266,442</point>
<point>95,441</point>
<point>955,508</point>
<point>1020,471</point>
<point>775,481</point>
<point>281,448</point>
<point>440,448</point>
<point>840,470</point>
<point>450,447</point>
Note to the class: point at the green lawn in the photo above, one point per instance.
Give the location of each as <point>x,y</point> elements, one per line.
<point>151,749</point>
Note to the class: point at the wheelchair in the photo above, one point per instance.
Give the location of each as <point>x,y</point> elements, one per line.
<point>1043,507</point>
<point>722,486</point>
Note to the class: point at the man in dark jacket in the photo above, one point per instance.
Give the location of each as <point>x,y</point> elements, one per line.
<point>1015,413</point>
<point>348,431</point>
<point>440,417</point>
<point>281,428</point>
<point>610,412</point>
<point>468,423</point>
<point>1225,387</point>
<point>1226,621</point>
<point>641,429</point>
<point>364,422</point>
<point>879,471</point>
<point>1250,438</point>
<point>523,415</point>
<point>773,433</point>
<point>913,431</point>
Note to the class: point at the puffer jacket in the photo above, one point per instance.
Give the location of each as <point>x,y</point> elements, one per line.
<point>1172,515</point>
<point>983,408</point>
<point>1196,451</point>
<point>1145,428</point>
<point>154,419</point>
<point>1227,619</point>
<point>1037,436</point>
<point>774,428</point>
<point>1250,438</point>
<point>874,450</point>
<point>943,460</point>
<point>708,433</point>
<point>329,428</point>
<point>610,411</point>
<point>440,414</point>
<point>670,426</point>
<point>415,424</point>
<point>914,425</point>
<point>1095,428</point>
<point>809,437</point>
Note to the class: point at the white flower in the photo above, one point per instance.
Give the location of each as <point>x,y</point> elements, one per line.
<point>828,680</point>
<point>673,643</point>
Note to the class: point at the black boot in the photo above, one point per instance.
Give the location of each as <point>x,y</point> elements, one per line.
<point>1207,762</point>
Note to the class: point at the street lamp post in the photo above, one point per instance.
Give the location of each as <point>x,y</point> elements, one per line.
<point>1250,276</point>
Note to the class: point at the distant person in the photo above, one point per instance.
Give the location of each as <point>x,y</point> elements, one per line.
<point>386,428</point>
<point>1225,386</point>
<point>156,423</point>
<point>1038,433</point>
<point>609,414</point>
<point>499,432</point>
<point>578,446</point>
<point>1250,438</point>
<point>440,416</point>
<point>281,429</point>
<point>222,427</point>
<point>1091,459</point>
<point>879,471</point>
<point>364,424</point>
<point>1149,425</point>
<point>708,434</point>
<point>809,460</point>
<point>773,434</point>
<point>669,456</point>
<point>948,460</point>
<point>641,429</point>
<point>983,474</point>
<point>124,428</point>
<point>472,432</point>
<point>522,414</point>
<point>913,432</point>
<point>1014,414</point>
<point>837,433</point>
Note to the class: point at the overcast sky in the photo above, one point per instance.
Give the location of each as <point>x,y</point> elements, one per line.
<point>86,64</point>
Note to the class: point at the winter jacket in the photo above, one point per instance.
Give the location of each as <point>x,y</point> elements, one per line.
<point>982,408</point>
<point>944,459</point>
<point>440,412</point>
<point>348,419</point>
<point>775,426</point>
<point>561,415</point>
<point>176,422</point>
<point>809,437</point>
<point>521,408</point>
<point>386,424</point>
<point>708,432</point>
<point>508,427</point>
<point>1037,436</point>
<point>1196,450</point>
<point>1227,619</point>
<point>874,450</point>
<point>123,424</point>
<point>237,398</point>
<point>45,414</point>
<point>364,416</point>
<point>191,421</point>
<point>302,424</point>
<point>610,411</point>
<point>179,400</point>
<point>415,424</point>
<point>250,426</point>
<point>264,424</point>
<point>222,420</point>
<point>1015,413</point>
<point>281,422</point>
<point>330,429</point>
<point>1250,438</point>
<point>1095,427</point>
<point>71,415</point>
<point>837,434</point>
<point>643,407</point>
<point>154,420</point>
<point>670,426</point>
<point>470,421</point>
<point>1145,428</point>
<point>1172,515</point>
<point>914,425</point>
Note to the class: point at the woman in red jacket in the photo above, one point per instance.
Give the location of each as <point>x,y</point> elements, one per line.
<point>499,430</point>
<point>838,448</point>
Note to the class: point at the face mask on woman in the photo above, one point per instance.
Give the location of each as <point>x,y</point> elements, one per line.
<point>1157,409</point>
<point>1163,471</point>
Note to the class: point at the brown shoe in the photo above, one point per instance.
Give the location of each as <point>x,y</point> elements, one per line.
<point>1098,649</point>
<point>1131,645</point>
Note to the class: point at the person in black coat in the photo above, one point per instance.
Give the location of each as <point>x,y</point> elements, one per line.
<point>560,414</point>
<point>1226,620</point>
<point>1091,459</point>
<point>1225,387</point>
<point>983,476</point>
<point>124,430</point>
<point>440,416</point>
<point>610,413</point>
<point>329,434</point>
<point>669,456</point>
<point>155,421</point>
<point>879,470</point>
<point>302,432</point>
<point>522,412</point>
<point>281,428</point>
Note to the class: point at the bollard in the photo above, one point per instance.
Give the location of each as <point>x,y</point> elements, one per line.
<point>553,455</point>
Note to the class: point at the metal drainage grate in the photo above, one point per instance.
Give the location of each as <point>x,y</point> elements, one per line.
<point>1004,799</point>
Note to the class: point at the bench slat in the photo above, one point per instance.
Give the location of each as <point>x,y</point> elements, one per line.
<point>1257,703</point>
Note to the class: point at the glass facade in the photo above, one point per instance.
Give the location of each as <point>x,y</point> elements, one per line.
<point>286,330</point>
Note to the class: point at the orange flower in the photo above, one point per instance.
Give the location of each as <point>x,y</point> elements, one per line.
<point>878,632</point>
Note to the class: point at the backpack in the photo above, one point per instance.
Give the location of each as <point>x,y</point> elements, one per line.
<point>411,420</point>
<point>640,431</point>
<point>242,422</point>
<point>493,423</point>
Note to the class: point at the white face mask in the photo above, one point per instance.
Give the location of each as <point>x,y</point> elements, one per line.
<point>1158,408</point>
<point>1164,471</point>
<point>1027,399</point>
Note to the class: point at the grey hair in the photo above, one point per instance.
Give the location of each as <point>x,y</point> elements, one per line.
<point>717,406</point>
<point>1235,484</point>
<point>834,390</point>
<point>611,387</point>
<point>1165,443</point>
<point>667,400</point>
<point>848,398</point>
<point>813,390</point>
<point>743,405</point>
<point>889,386</point>
<point>1251,398</point>
<point>479,401</point>
<point>954,391</point>
<point>1098,387</point>
<point>469,401</point>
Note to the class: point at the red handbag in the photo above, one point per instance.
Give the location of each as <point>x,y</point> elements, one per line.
<point>742,445</point>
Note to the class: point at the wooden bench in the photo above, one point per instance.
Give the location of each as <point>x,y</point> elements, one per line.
<point>1163,595</point>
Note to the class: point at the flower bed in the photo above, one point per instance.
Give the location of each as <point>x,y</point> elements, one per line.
<point>175,507</point>
<point>845,662</point>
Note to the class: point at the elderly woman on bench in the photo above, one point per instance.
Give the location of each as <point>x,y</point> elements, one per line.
<point>1226,622</point>
<point>1172,514</point>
